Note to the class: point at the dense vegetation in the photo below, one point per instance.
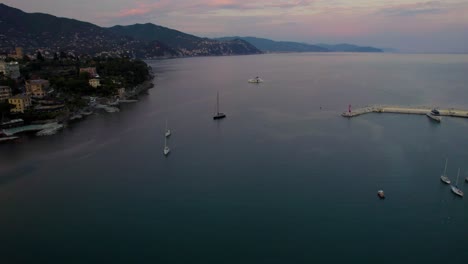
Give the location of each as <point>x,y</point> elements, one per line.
<point>69,86</point>
<point>129,72</point>
<point>63,74</point>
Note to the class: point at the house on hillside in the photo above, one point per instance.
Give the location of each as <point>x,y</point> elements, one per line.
<point>37,88</point>
<point>21,103</point>
<point>5,93</point>
<point>91,70</point>
<point>95,83</point>
<point>10,69</point>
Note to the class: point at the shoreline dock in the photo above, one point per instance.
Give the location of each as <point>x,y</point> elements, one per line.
<point>423,110</point>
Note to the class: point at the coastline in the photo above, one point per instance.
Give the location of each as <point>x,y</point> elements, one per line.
<point>107,104</point>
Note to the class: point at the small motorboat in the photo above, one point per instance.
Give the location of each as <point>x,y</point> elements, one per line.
<point>380,194</point>
<point>434,117</point>
<point>168,131</point>
<point>166,148</point>
<point>255,80</point>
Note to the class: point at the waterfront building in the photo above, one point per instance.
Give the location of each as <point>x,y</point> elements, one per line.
<point>21,102</point>
<point>91,70</point>
<point>95,83</point>
<point>37,88</point>
<point>5,93</point>
<point>121,93</point>
<point>10,69</point>
<point>19,53</point>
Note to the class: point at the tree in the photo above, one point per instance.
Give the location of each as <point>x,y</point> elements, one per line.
<point>9,59</point>
<point>7,81</point>
<point>26,58</point>
<point>63,55</point>
<point>85,76</point>
<point>39,56</point>
<point>5,108</point>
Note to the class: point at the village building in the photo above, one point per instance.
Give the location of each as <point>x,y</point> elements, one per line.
<point>10,69</point>
<point>21,102</point>
<point>37,88</point>
<point>5,93</point>
<point>95,83</point>
<point>91,70</point>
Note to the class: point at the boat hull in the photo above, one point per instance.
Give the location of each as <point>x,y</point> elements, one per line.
<point>166,151</point>
<point>457,191</point>
<point>445,179</point>
<point>8,139</point>
<point>219,116</point>
<point>255,80</point>
<point>434,117</point>
<point>381,194</point>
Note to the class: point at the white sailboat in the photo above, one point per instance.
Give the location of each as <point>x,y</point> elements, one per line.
<point>168,131</point>
<point>166,148</point>
<point>455,188</point>
<point>444,177</point>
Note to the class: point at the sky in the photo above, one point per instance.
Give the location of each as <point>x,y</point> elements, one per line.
<point>405,25</point>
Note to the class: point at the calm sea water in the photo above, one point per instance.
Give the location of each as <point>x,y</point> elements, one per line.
<point>283,179</point>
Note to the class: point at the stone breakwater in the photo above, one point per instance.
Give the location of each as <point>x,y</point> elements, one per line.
<point>421,110</point>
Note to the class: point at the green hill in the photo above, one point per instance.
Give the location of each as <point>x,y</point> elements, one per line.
<point>34,31</point>
<point>189,45</point>
<point>268,45</point>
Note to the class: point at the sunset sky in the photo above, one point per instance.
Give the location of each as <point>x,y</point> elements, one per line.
<point>407,25</point>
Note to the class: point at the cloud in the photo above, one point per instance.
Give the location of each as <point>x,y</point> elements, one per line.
<point>205,6</point>
<point>141,8</point>
<point>431,7</point>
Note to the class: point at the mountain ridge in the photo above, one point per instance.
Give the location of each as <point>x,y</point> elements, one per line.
<point>187,44</point>
<point>268,45</point>
<point>38,31</point>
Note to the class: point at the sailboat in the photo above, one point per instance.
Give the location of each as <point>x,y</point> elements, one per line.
<point>166,148</point>
<point>168,131</point>
<point>218,115</point>
<point>455,188</point>
<point>444,177</point>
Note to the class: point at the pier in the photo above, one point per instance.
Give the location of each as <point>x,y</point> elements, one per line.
<point>422,110</point>
<point>43,129</point>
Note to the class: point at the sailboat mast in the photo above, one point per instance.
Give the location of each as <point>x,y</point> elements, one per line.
<point>217,102</point>
<point>445,170</point>
<point>165,142</point>
<point>456,183</point>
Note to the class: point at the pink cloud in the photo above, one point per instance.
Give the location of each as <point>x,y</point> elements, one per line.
<point>142,8</point>
<point>204,6</point>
